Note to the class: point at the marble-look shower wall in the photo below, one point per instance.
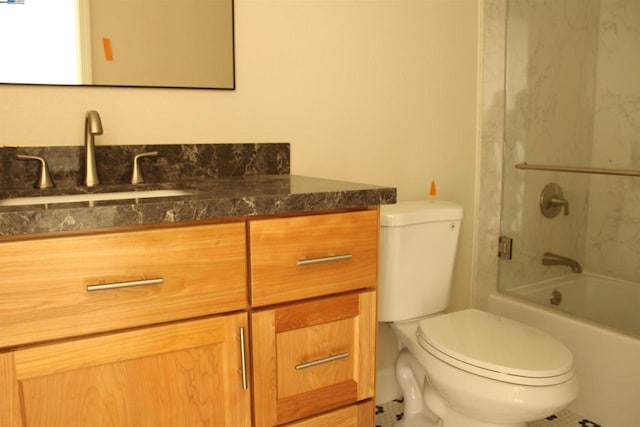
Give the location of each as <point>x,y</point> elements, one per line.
<point>613,236</point>
<point>550,73</point>
<point>485,268</point>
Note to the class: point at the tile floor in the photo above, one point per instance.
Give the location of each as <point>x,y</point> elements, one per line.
<point>390,412</point>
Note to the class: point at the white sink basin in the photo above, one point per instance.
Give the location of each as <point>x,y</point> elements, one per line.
<point>92,197</point>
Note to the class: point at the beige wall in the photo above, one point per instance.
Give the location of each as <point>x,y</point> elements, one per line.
<point>383,92</point>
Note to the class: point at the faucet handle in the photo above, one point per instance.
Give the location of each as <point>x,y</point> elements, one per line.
<point>552,201</point>
<point>557,201</point>
<point>136,175</point>
<point>44,178</point>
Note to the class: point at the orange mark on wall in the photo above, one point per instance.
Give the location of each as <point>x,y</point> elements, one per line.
<point>432,190</point>
<point>108,51</point>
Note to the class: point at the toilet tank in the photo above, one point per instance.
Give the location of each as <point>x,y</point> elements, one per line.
<point>418,241</point>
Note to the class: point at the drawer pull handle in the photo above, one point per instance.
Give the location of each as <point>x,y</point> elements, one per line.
<point>331,258</point>
<point>330,358</point>
<point>128,284</point>
<point>243,361</point>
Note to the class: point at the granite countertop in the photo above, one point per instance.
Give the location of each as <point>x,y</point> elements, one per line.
<point>216,198</point>
<point>211,197</point>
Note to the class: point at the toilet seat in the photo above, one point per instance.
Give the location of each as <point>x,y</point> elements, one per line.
<point>496,347</point>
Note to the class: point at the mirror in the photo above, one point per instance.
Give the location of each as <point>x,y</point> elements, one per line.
<point>132,43</point>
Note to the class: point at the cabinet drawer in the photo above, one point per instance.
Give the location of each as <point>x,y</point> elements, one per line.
<point>44,283</point>
<point>307,256</point>
<point>312,357</point>
<point>361,414</point>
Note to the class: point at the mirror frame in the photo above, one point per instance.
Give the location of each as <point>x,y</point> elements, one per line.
<point>231,88</point>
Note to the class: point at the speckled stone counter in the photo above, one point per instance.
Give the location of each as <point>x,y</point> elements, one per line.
<point>229,180</point>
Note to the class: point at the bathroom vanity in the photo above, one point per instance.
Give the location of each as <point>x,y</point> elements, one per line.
<point>174,312</point>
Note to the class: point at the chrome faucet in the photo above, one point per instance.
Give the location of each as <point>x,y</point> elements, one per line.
<point>549,258</point>
<point>92,126</point>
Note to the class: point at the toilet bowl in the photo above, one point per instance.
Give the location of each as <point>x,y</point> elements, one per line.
<point>468,368</point>
<point>478,369</point>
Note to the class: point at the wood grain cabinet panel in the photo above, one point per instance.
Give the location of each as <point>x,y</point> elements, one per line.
<point>358,415</point>
<point>312,357</point>
<point>182,374</point>
<point>308,256</point>
<point>43,282</point>
<point>168,352</point>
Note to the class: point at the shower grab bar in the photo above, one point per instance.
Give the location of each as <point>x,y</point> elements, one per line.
<point>572,169</point>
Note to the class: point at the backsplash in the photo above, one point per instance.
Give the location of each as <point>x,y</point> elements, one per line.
<point>173,163</point>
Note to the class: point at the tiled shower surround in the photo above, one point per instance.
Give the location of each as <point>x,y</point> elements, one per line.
<point>572,103</point>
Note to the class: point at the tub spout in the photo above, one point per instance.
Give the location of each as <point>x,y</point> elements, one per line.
<point>553,259</point>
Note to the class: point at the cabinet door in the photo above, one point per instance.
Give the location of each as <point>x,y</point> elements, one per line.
<point>181,374</point>
<point>312,357</point>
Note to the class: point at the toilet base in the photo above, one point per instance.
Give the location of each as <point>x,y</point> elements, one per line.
<point>452,418</point>
<point>423,406</point>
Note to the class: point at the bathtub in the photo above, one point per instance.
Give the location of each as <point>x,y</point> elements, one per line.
<point>606,301</point>
<point>607,361</point>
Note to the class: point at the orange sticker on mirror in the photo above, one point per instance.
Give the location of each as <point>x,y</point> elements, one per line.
<point>108,52</point>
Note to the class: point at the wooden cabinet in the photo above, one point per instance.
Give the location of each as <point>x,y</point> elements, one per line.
<point>318,353</point>
<point>201,325</point>
<point>314,356</point>
<point>185,373</point>
<point>121,354</point>
<point>359,415</point>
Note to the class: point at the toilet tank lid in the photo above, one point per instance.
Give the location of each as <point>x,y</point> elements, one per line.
<point>419,211</point>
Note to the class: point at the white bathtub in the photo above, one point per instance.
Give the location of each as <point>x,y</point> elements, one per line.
<point>607,361</point>
<point>606,301</point>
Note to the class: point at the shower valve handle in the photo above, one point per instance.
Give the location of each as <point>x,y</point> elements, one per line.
<point>557,201</point>
<point>552,201</point>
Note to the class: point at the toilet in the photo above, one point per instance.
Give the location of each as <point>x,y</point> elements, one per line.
<point>467,368</point>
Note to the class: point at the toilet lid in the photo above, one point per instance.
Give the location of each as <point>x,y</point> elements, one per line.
<point>496,347</point>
